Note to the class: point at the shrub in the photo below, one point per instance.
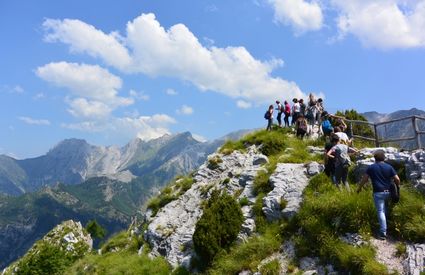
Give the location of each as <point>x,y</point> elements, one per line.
<point>243,201</point>
<point>218,227</point>
<point>214,162</point>
<point>95,229</point>
<point>50,259</point>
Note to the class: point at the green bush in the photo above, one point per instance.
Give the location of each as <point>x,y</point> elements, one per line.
<point>50,259</point>
<point>218,227</point>
<point>95,229</point>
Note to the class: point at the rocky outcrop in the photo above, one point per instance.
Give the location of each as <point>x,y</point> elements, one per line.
<point>415,261</point>
<point>288,182</point>
<point>69,237</point>
<point>170,232</point>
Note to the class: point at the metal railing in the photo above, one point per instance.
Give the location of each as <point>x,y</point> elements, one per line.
<point>407,132</point>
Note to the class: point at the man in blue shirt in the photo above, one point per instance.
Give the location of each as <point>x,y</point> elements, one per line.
<point>381,174</point>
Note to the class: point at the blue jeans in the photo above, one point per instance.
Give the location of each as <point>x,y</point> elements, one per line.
<point>380,199</point>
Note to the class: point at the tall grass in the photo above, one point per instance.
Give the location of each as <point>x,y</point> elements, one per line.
<point>247,256</point>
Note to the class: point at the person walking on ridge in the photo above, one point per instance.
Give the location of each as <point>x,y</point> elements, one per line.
<point>269,117</point>
<point>279,113</point>
<point>295,110</point>
<point>340,153</point>
<point>381,174</point>
<point>287,110</point>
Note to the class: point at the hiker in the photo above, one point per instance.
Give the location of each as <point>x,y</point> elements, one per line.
<point>301,126</point>
<point>279,113</point>
<point>339,122</point>
<point>340,153</point>
<point>342,136</point>
<point>303,107</point>
<point>269,116</point>
<point>330,162</point>
<point>295,110</point>
<point>320,110</point>
<point>326,125</point>
<point>381,174</point>
<point>311,113</point>
<point>287,111</point>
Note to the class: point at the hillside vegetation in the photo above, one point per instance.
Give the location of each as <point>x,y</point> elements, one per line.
<point>315,230</point>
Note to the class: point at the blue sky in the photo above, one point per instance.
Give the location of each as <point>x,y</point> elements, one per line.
<point>109,71</point>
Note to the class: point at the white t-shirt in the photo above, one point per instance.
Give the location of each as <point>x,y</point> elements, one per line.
<point>296,108</point>
<point>343,137</point>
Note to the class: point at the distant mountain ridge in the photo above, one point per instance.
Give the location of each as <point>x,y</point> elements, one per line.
<point>73,161</point>
<point>399,129</point>
<point>376,117</point>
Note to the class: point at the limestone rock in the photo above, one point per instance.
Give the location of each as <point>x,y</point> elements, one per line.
<point>415,261</point>
<point>288,182</point>
<point>170,231</point>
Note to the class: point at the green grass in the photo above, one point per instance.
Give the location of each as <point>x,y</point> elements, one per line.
<point>298,152</point>
<point>120,263</point>
<point>247,256</point>
<point>272,143</point>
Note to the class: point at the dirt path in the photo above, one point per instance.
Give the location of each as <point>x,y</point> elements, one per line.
<point>386,254</point>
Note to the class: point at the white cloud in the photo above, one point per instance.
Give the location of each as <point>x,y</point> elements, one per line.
<point>85,38</point>
<point>185,110</point>
<point>33,121</point>
<point>243,104</point>
<point>177,53</point>
<point>96,88</point>
<point>17,89</point>
<point>144,127</point>
<point>39,96</point>
<point>139,95</point>
<point>383,24</point>
<point>170,91</point>
<point>81,107</point>
<point>300,14</point>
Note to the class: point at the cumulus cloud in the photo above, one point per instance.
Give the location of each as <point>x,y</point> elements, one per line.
<point>383,24</point>
<point>85,38</point>
<point>185,110</point>
<point>243,104</point>
<point>177,53</point>
<point>139,95</point>
<point>33,121</point>
<point>171,92</point>
<point>95,88</point>
<point>144,127</point>
<point>300,14</point>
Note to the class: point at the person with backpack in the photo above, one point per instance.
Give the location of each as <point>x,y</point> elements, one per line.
<point>287,111</point>
<point>330,162</point>
<point>326,125</point>
<point>381,174</point>
<point>295,110</point>
<point>340,153</point>
<point>301,126</point>
<point>303,107</point>
<point>269,116</point>
<point>279,113</point>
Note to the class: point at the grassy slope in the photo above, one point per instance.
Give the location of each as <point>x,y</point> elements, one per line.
<point>326,213</point>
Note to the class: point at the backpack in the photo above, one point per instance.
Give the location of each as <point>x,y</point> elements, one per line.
<point>327,126</point>
<point>267,115</point>
<point>302,125</point>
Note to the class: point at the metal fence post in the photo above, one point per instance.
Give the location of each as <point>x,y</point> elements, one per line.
<point>376,135</point>
<point>417,135</point>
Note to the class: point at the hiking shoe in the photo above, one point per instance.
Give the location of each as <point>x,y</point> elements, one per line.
<point>382,237</point>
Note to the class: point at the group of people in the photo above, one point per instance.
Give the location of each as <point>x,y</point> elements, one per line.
<point>304,116</point>
<point>381,174</point>
<point>337,149</point>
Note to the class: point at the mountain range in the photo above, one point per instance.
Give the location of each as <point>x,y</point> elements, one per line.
<point>399,129</point>
<point>76,180</point>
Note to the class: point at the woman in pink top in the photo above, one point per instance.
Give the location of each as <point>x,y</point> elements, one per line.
<point>287,112</point>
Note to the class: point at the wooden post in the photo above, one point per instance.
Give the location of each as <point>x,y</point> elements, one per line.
<point>417,135</point>
<point>376,136</point>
